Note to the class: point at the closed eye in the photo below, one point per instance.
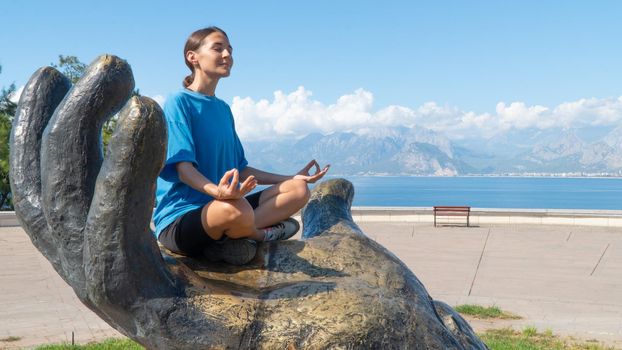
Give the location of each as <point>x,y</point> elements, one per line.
<point>220,48</point>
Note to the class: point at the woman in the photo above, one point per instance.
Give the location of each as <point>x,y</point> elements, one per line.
<point>201,204</point>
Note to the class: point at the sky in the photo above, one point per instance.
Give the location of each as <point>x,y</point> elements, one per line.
<point>462,68</point>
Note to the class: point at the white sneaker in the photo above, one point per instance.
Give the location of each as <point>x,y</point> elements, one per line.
<point>281,231</point>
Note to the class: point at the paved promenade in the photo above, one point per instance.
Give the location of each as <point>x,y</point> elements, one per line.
<point>564,278</point>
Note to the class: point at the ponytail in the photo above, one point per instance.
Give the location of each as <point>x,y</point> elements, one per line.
<point>188,80</point>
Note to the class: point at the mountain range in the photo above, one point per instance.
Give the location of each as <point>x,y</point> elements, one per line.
<point>419,151</point>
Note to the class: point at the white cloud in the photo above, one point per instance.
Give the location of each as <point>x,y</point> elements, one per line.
<point>591,111</point>
<point>520,116</point>
<point>298,114</point>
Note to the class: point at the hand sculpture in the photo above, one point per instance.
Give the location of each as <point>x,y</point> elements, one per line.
<point>90,218</point>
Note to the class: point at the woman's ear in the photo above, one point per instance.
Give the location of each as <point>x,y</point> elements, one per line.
<point>191,56</point>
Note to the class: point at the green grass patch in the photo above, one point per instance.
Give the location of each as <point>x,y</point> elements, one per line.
<point>109,344</point>
<point>531,339</point>
<point>10,339</point>
<point>496,339</point>
<point>485,312</point>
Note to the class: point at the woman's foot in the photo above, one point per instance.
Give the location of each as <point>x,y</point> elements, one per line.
<point>281,231</point>
<point>232,251</point>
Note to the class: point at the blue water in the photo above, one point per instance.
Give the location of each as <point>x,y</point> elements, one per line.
<point>489,192</point>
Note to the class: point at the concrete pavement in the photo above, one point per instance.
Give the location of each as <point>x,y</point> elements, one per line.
<point>564,278</point>
<point>36,305</point>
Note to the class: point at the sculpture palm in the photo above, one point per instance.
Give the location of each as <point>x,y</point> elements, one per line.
<point>90,218</point>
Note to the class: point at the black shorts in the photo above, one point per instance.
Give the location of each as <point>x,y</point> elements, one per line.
<point>186,235</point>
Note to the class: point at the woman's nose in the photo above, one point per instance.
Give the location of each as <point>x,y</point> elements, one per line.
<point>226,53</point>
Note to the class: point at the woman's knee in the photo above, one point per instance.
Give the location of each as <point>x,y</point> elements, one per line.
<point>232,212</point>
<point>239,211</point>
<point>300,190</point>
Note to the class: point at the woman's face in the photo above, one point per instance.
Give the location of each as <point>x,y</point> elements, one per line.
<point>214,56</point>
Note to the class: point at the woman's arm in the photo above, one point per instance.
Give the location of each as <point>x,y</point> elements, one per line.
<point>227,188</point>
<point>266,178</point>
<point>263,177</point>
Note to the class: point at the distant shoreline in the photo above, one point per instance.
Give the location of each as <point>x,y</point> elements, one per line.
<point>553,175</point>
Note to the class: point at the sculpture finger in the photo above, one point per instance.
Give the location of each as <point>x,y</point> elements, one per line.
<point>42,94</point>
<point>122,260</point>
<point>328,209</point>
<point>458,326</point>
<point>71,156</point>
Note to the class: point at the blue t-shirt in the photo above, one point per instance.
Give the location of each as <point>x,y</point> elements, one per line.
<point>201,131</point>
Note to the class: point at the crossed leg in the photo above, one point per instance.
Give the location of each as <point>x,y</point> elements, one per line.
<point>280,201</point>
<point>237,219</point>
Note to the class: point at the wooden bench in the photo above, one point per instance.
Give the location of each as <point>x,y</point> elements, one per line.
<point>452,211</point>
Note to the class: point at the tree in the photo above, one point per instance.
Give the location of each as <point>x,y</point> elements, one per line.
<point>7,112</point>
<point>6,105</point>
<point>70,66</point>
<point>5,188</point>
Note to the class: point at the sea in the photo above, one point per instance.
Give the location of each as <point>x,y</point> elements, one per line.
<point>488,192</point>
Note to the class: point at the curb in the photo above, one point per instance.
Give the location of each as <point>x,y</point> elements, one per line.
<point>606,218</point>
<point>478,216</point>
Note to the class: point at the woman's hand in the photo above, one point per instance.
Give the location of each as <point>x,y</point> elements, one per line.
<point>305,175</point>
<point>228,187</point>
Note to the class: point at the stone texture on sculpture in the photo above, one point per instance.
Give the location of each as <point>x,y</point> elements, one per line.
<point>335,288</point>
